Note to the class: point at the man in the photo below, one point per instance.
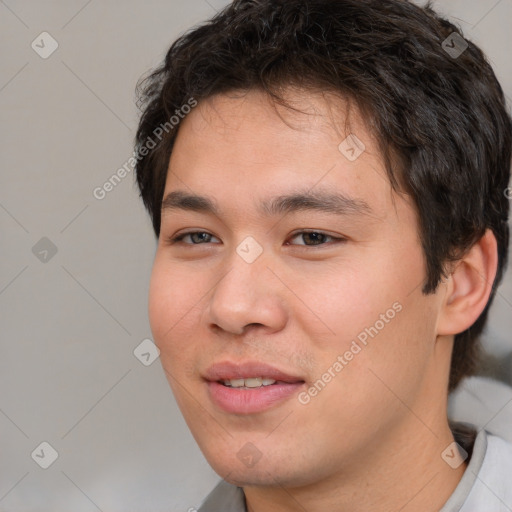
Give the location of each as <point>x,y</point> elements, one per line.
<point>327,182</point>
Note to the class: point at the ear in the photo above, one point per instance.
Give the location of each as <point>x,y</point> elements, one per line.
<point>469,286</point>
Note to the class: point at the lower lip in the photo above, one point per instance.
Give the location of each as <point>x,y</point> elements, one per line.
<point>249,401</point>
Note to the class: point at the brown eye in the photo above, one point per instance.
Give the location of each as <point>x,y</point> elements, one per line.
<point>310,238</point>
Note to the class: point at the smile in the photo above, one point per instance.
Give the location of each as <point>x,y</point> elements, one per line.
<point>249,387</point>
<point>251,382</point>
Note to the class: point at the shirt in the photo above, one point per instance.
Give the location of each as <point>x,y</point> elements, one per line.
<point>486,485</point>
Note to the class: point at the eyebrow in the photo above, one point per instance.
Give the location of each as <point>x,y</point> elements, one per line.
<point>327,202</point>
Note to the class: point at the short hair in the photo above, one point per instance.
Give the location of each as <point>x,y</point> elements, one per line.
<point>439,117</point>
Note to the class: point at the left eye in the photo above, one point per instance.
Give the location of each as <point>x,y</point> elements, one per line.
<point>313,238</point>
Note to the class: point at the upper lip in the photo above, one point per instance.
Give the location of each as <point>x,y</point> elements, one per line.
<point>226,370</point>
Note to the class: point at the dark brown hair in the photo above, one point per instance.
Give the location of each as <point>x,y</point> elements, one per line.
<point>440,119</point>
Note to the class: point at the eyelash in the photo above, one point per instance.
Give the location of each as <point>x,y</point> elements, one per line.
<point>179,238</point>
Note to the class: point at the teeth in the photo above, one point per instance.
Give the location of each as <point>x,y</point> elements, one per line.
<point>252,382</point>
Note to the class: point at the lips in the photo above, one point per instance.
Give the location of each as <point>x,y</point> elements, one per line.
<point>227,370</point>
<point>245,397</point>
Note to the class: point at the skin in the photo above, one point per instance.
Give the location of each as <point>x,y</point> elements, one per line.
<point>372,438</point>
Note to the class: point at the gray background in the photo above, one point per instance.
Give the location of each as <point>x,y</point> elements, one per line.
<point>70,323</point>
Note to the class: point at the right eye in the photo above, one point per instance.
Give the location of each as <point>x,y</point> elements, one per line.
<point>195,237</point>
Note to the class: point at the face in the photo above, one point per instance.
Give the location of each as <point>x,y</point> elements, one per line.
<point>294,262</point>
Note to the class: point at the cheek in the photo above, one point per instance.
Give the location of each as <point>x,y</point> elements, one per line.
<point>374,379</point>
<point>174,305</point>
<point>345,299</point>
<point>377,317</point>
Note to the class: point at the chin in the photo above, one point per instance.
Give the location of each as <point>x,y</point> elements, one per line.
<point>264,472</point>
<point>249,478</point>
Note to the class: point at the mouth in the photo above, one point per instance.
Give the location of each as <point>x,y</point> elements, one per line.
<point>249,383</point>
<point>249,387</point>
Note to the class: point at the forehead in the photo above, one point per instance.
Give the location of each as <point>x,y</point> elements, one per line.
<point>309,119</point>
<point>235,146</point>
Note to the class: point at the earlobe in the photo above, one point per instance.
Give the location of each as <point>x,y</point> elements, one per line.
<point>469,286</point>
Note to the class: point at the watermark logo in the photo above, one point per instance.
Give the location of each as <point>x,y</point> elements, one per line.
<point>454,455</point>
<point>249,249</point>
<point>352,148</point>
<point>44,250</point>
<point>44,45</point>
<point>455,45</point>
<point>146,352</point>
<point>249,455</point>
<point>44,455</point>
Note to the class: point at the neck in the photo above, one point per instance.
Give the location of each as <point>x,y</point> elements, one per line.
<point>408,475</point>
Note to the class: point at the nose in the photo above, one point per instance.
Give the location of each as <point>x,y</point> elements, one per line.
<point>249,294</point>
